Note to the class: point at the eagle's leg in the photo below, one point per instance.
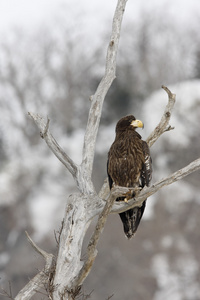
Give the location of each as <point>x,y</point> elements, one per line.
<point>130,194</point>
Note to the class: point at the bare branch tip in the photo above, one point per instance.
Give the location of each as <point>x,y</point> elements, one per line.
<point>166,90</point>
<point>170,94</point>
<point>169,128</point>
<point>30,114</point>
<point>37,249</point>
<point>28,237</point>
<point>44,134</point>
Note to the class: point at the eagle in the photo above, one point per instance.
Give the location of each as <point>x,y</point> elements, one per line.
<point>129,165</point>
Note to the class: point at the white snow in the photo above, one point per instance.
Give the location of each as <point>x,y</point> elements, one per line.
<point>172,284</point>
<point>74,144</point>
<point>46,209</point>
<point>187,103</point>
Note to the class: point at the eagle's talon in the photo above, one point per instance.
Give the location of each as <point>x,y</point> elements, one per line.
<point>137,190</point>
<point>128,196</point>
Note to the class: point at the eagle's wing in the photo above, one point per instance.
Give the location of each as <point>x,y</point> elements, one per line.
<point>146,173</point>
<point>132,217</point>
<point>110,181</point>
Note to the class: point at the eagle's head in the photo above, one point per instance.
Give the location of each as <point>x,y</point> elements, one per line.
<point>128,122</point>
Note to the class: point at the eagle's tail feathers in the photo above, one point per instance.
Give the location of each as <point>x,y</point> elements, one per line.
<point>131,220</point>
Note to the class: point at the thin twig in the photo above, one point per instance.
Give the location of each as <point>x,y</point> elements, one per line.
<point>37,249</point>
<point>7,294</point>
<point>109,297</point>
<point>44,134</point>
<point>41,278</point>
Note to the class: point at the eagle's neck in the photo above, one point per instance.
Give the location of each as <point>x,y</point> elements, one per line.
<point>131,133</point>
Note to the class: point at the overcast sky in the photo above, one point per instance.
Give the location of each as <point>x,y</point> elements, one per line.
<point>31,14</point>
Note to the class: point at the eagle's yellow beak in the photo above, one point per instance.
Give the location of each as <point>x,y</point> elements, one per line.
<point>137,123</point>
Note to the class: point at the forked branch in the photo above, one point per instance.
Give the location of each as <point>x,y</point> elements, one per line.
<point>52,143</point>
<point>164,122</point>
<point>119,207</point>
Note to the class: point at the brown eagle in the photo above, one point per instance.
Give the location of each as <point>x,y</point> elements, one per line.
<point>129,165</point>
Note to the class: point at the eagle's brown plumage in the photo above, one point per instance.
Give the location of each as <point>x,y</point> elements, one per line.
<point>129,165</point>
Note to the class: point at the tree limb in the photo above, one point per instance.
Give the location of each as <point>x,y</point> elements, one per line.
<point>164,122</point>
<point>91,249</point>
<point>69,263</point>
<point>119,207</point>
<point>92,129</point>
<point>53,145</point>
<point>104,85</point>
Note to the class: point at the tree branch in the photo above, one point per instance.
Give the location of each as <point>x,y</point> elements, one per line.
<point>104,85</point>
<point>164,122</point>
<point>41,278</point>
<point>69,263</point>
<point>53,145</point>
<point>119,207</point>
<point>91,249</point>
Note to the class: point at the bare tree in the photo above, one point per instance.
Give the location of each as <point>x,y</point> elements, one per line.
<point>63,275</point>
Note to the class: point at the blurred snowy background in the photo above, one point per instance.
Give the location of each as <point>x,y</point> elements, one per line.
<point>52,56</point>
